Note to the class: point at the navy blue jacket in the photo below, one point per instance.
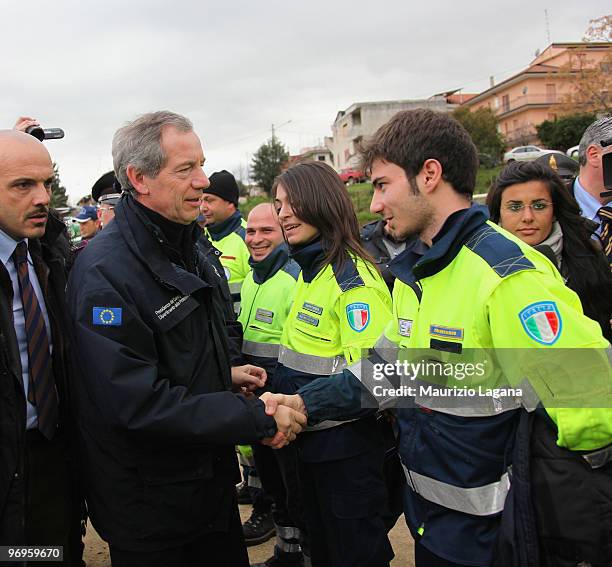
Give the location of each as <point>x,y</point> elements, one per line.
<point>157,419</point>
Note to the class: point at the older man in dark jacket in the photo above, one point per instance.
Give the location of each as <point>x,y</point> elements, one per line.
<point>37,472</point>
<point>157,416</point>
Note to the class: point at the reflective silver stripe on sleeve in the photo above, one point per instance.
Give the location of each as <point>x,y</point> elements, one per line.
<point>479,501</point>
<point>530,398</point>
<point>260,349</point>
<point>254,481</point>
<point>318,365</point>
<point>363,370</point>
<point>235,287</point>
<point>310,363</point>
<point>386,349</point>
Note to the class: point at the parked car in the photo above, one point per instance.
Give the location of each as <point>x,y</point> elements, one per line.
<point>526,153</point>
<point>572,152</point>
<point>350,175</point>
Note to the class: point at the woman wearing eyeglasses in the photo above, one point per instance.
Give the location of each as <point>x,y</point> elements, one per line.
<point>531,201</point>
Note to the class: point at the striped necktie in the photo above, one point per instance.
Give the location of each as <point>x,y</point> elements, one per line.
<point>41,387</point>
<point>605,214</point>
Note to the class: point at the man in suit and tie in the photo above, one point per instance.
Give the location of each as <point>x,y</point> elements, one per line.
<point>37,506</point>
<point>589,184</point>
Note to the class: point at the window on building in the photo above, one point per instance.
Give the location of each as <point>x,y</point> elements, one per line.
<point>357,118</point>
<point>551,92</point>
<point>321,158</point>
<point>506,103</point>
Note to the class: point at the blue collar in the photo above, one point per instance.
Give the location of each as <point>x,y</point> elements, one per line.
<point>270,265</point>
<point>220,230</point>
<point>309,257</point>
<point>589,205</point>
<point>413,265</point>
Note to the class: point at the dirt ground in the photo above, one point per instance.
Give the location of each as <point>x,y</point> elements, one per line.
<point>96,551</point>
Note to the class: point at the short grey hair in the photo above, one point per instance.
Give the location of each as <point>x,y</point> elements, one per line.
<point>138,143</point>
<point>600,130</point>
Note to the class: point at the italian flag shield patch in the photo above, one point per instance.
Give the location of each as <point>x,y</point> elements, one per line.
<point>542,322</point>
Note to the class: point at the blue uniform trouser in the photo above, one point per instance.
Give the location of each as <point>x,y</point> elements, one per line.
<point>344,504</point>
<point>277,469</point>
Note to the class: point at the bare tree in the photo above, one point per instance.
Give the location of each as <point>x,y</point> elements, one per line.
<point>590,80</point>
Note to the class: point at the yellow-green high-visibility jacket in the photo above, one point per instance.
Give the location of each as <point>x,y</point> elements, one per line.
<point>336,316</point>
<point>266,298</point>
<point>479,295</point>
<point>228,237</point>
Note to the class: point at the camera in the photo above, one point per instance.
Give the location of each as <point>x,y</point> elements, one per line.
<point>45,133</point>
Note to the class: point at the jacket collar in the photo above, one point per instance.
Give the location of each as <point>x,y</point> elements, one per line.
<point>270,265</point>
<point>53,230</point>
<point>412,265</point>
<point>309,257</point>
<point>146,242</point>
<point>221,229</point>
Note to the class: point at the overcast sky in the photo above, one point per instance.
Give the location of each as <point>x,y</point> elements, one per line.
<point>236,67</point>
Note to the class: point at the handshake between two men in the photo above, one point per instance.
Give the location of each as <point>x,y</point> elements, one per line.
<point>289,412</point>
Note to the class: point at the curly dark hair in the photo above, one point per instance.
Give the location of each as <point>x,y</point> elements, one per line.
<point>583,263</point>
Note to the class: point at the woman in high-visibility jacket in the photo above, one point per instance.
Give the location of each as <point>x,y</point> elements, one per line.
<point>341,306</point>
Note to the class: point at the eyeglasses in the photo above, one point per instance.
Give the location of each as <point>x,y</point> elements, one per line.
<point>537,207</point>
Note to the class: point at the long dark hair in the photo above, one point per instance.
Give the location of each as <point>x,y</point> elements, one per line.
<point>318,197</point>
<point>583,263</point>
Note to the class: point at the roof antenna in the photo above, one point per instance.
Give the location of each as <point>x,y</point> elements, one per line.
<point>547,26</point>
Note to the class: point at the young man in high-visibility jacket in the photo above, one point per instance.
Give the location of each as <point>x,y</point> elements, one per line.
<point>483,302</point>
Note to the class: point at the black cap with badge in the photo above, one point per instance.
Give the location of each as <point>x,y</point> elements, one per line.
<point>565,167</point>
<point>106,190</point>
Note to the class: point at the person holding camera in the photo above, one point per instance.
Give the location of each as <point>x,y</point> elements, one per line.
<point>589,185</point>
<point>39,503</point>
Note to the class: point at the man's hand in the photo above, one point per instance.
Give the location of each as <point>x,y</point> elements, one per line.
<point>273,401</point>
<point>249,377</point>
<point>276,442</point>
<point>289,422</point>
<point>24,122</point>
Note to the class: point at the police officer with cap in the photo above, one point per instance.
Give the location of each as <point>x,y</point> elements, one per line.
<point>106,191</point>
<point>565,167</point>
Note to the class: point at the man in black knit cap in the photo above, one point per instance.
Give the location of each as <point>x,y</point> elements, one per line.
<point>226,229</point>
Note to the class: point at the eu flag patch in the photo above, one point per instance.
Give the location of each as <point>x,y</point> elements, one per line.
<point>107,316</point>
